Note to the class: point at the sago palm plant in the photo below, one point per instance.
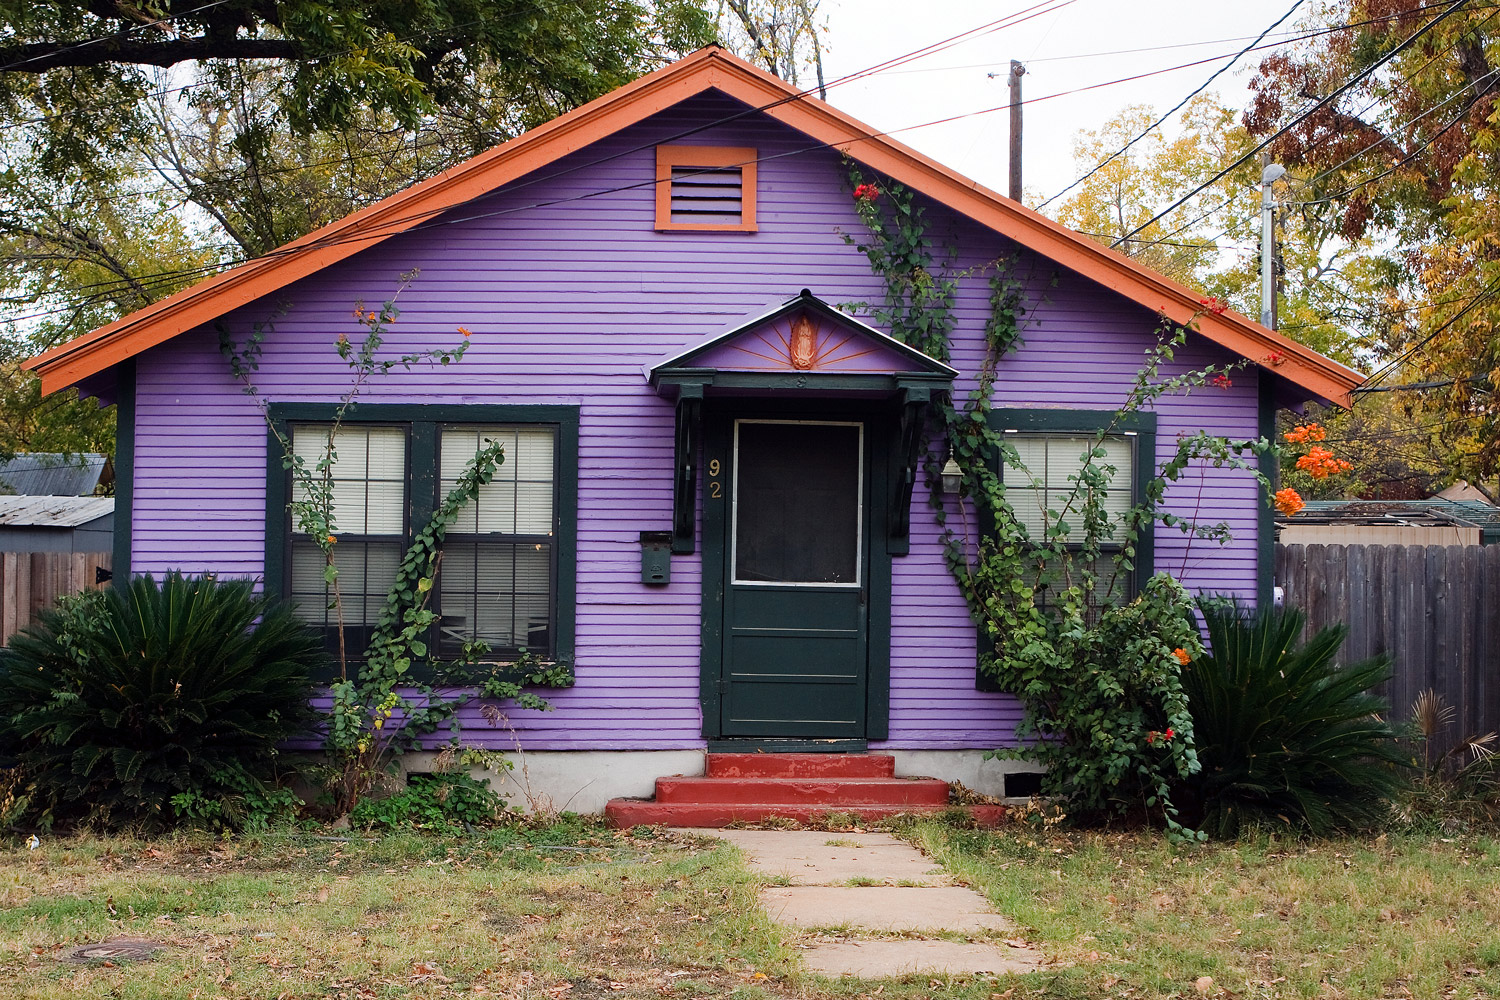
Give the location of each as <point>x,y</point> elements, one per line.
<point>122,701</point>
<point>1285,735</point>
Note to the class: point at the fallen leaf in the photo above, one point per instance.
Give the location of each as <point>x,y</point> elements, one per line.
<point>1204,985</point>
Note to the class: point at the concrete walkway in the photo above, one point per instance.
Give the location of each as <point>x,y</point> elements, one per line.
<point>843,889</point>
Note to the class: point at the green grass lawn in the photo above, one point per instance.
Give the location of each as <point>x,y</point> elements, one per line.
<point>576,911</point>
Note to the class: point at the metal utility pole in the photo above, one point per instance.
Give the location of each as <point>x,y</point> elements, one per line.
<point>1016,72</point>
<point>1270,173</point>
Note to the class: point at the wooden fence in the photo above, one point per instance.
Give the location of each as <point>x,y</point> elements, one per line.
<point>1431,607</point>
<point>31,581</point>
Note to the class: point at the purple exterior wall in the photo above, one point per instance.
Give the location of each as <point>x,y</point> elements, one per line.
<point>570,292</point>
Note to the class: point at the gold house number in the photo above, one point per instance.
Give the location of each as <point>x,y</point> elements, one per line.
<point>715,488</point>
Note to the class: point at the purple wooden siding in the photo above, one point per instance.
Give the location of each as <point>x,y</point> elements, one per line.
<point>569,292</point>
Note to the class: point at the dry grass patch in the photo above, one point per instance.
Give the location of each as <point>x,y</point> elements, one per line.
<point>1263,918</point>
<point>507,915</point>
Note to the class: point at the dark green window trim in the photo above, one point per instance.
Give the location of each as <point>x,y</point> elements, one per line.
<point>1140,427</point>
<point>423,422</point>
<point>124,469</point>
<point>1270,467</point>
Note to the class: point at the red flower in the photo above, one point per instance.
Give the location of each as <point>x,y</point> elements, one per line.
<point>1213,305</point>
<point>1275,359</point>
<point>866,192</point>
<point>1170,734</point>
<point>1222,381</point>
<point>1151,738</point>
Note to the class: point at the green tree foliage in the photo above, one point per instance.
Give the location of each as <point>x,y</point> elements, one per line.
<point>1118,199</point>
<point>1286,736</point>
<point>1407,158</point>
<point>147,147</point>
<point>127,698</point>
<point>87,64</point>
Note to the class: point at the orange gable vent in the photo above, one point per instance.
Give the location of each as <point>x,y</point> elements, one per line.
<point>705,188</point>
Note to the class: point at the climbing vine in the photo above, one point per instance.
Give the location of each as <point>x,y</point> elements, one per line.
<point>1100,682</point>
<point>401,691</point>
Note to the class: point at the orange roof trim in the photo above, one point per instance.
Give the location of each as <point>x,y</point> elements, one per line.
<point>707,69</point>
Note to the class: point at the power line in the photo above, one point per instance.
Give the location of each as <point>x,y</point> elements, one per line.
<point>1321,103</point>
<point>1407,79</point>
<point>1394,128</point>
<point>1373,380</point>
<point>1201,88</point>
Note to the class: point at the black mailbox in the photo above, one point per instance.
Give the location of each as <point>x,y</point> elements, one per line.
<point>656,557</point>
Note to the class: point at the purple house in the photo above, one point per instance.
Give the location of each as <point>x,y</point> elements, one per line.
<point>710,504</point>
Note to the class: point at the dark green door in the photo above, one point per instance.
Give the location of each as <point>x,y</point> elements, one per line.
<point>796,568</point>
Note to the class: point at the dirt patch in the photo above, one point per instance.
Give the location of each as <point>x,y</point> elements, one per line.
<point>120,950</point>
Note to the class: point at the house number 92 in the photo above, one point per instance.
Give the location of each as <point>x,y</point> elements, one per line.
<point>715,488</point>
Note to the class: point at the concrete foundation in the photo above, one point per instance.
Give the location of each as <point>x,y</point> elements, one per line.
<point>582,781</point>
<point>579,781</point>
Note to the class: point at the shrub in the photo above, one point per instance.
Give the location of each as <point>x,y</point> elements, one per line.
<point>1285,735</point>
<point>440,801</point>
<point>123,699</point>
<point>1456,788</point>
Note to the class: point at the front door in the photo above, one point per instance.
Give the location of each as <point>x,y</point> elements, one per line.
<point>796,580</point>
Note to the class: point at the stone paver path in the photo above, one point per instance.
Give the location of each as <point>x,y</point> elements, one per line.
<point>853,884</point>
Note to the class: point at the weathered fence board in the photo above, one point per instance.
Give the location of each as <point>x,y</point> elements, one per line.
<point>1430,607</point>
<point>31,581</point>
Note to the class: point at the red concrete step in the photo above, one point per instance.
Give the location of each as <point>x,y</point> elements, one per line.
<point>828,793</point>
<point>626,813</point>
<point>801,765</point>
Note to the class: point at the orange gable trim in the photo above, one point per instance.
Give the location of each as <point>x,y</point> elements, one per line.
<point>706,69</point>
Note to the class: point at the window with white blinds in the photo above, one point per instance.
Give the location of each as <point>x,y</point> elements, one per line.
<point>1048,480</point>
<point>369,520</point>
<point>496,581</point>
<point>1046,490</point>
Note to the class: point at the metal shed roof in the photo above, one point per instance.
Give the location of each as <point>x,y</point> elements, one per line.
<point>1432,512</point>
<point>39,474</point>
<point>53,512</point>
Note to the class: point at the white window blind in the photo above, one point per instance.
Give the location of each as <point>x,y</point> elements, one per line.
<point>369,476</point>
<point>518,501</point>
<point>369,499</point>
<point>1044,484</point>
<point>496,580</point>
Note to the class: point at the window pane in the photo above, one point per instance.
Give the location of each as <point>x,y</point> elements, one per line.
<point>366,572</point>
<point>500,592</point>
<point>519,500</point>
<point>369,476</point>
<point>797,503</point>
<point>1111,584</point>
<point>1052,459</point>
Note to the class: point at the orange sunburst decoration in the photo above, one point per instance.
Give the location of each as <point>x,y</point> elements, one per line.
<point>802,350</point>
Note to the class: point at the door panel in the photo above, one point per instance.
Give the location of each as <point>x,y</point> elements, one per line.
<point>795,630</point>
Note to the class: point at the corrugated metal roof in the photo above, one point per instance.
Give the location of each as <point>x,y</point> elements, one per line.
<point>51,474</point>
<point>1435,511</point>
<point>53,512</point>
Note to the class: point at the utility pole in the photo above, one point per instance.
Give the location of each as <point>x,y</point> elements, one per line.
<point>1270,173</point>
<point>1016,72</point>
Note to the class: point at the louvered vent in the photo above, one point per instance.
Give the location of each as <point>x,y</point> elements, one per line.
<point>711,196</point>
<point>705,189</point>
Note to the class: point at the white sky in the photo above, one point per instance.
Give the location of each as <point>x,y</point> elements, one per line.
<point>862,33</point>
